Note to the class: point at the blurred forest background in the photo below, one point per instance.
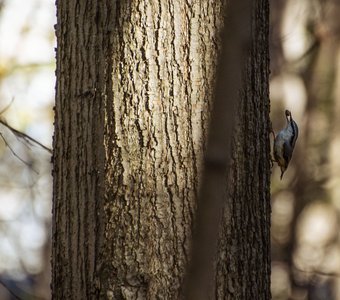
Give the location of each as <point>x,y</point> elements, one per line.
<point>305,78</point>
<point>26,99</point>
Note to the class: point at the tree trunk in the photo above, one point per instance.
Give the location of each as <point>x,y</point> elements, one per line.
<point>134,88</point>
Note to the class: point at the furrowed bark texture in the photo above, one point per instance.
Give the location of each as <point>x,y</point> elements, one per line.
<point>79,156</point>
<point>163,69</point>
<point>243,263</point>
<point>134,87</point>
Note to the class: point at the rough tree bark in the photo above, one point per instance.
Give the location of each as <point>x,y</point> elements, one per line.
<point>133,95</point>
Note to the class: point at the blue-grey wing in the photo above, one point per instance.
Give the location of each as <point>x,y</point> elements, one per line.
<point>287,153</point>
<point>295,134</point>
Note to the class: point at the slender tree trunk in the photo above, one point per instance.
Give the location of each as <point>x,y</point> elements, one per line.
<point>243,268</point>
<point>134,88</point>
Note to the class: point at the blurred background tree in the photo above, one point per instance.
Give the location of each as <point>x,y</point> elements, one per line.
<point>305,78</point>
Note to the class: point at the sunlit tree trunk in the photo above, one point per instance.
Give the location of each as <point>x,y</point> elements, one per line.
<point>134,89</point>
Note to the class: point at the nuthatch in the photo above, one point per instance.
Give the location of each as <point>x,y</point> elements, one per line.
<point>284,143</point>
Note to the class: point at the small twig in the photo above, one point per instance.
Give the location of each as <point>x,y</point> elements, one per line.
<point>7,107</point>
<point>16,155</point>
<point>24,136</point>
<point>25,294</point>
<point>9,290</point>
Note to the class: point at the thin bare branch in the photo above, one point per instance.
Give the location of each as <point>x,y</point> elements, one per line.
<point>9,290</point>
<point>17,156</point>
<point>25,294</point>
<point>24,136</point>
<point>7,107</point>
